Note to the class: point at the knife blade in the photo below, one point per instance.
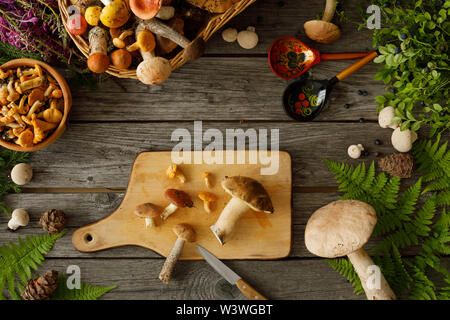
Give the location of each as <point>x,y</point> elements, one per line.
<point>229,275</point>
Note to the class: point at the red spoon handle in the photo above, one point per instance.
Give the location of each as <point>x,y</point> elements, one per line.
<point>356,66</point>
<point>343,56</point>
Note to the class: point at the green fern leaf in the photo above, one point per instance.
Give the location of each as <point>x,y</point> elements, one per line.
<point>86,292</point>
<point>346,269</point>
<point>19,260</point>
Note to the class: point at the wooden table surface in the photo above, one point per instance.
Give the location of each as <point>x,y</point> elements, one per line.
<point>85,173</point>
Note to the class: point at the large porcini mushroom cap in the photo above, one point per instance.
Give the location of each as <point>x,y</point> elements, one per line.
<point>322,31</point>
<point>147,210</point>
<point>145,9</point>
<point>154,71</point>
<point>194,50</point>
<point>185,232</point>
<point>250,191</point>
<point>340,228</point>
<point>179,198</point>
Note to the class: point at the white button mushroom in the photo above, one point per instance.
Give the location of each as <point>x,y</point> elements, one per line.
<point>21,174</point>
<point>402,141</point>
<point>247,39</point>
<point>354,151</point>
<point>19,218</point>
<point>166,13</point>
<point>229,35</point>
<point>385,118</point>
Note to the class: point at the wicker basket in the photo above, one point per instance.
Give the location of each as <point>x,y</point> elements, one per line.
<point>214,24</point>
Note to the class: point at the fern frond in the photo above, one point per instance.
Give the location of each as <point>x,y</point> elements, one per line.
<point>86,291</point>
<point>20,259</point>
<point>346,269</point>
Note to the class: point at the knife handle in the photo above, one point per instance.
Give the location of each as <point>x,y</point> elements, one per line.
<point>248,291</point>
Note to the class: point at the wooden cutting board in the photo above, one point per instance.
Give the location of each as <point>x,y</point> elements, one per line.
<point>257,235</point>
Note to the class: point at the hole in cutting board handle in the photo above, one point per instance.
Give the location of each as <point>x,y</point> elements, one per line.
<point>88,238</point>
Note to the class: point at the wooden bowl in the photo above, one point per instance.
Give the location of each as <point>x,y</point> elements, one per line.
<point>67,104</point>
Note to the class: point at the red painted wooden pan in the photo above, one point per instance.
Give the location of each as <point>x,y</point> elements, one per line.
<point>289,57</point>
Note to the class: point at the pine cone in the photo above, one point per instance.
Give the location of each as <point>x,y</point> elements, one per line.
<point>398,165</point>
<point>41,288</point>
<point>53,221</point>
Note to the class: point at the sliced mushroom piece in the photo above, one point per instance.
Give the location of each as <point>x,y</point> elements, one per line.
<point>98,60</point>
<point>178,199</point>
<point>324,31</point>
<point>184,233</point>
<point>342,228</point>
<point>149,211</point>
<point>192,49</point>
<point>246,193</point>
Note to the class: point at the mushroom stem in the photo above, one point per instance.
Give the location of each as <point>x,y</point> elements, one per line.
<point>171,208</point>
<point>171,260</point>
<point>330,8</point>
<point>149,222</point>
<point>361,262</point>
<point>158,27</point>
<point>224,227</point>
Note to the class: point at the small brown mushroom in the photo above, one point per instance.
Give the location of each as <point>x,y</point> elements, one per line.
<point>342,228</point>
<point>184,233</point>
<point>149,211</point>
<point>119,41</point>
<point>98,60</point>
<point>208,199</point>
<point>246,193</point>
<point>178,199</point>
<point>121,59</point>
<point>324,31</point>
<point>173,171</point>
<point>192,49</point>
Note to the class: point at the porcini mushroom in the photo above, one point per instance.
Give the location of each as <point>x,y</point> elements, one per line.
<point>192,49</point>
<point>208,199</point>
<point>178,199</point>
<point>153,70</point>
<point>145,9</point>
<point>354,151</point>
<point>184,233</point>
<point>19,218</point>
<point>342,228</point>
<point>324,31</point>
<point>121,59</point>
<point>21,174</point>
<point>402,141</point>
<point>98,60</point>
<point>248,39</point>
<point>92,15</point>
<point>385,118</point>
<point>149,211</point>
<point>115,13</point>
<point>246,193</point>
<point>173,171</point>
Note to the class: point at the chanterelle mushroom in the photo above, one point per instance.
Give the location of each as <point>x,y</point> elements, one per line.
<point>184,232</point>
<point>207,178</point>
<point>149,211</point>
<point>178,199</point>
<point>324,31</point>
<point>342,228</point>
<point>208,199</point>
<point>246,193</point>
<point>173,171</point>
<point>19,218</point>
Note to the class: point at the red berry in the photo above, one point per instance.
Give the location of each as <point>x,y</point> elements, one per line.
<point>298,104</point>
<point>76,24</point>
<point>301,96</point>
<point>298,111</point>
<point>305,103</point>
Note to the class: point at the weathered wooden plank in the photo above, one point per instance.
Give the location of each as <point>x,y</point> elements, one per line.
<point>95,155</point>
<point>224,89</point>
<point>138,279</point>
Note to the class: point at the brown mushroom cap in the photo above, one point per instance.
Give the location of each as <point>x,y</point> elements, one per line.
<point>98,62</point>
<point>194,50</point>
<point>250,191</point>
<point>35,95</point>
<point>340,228</point>
<point>179,198</point>
<point>154,71</point>
<point>185,232</point>
<point>322,31</point>
<point>147,210</point>
<point>121,59</point>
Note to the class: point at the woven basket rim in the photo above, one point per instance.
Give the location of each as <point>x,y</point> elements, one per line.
<point>214,24</point>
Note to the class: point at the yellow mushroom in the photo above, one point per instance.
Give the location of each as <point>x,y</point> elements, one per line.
<point>92,15</point>
<point>207,178</point>
<point>52,115</point>
<point>208,199</point>
<point>25,139</point>
<point>115,13</point>
<point>173,171</point>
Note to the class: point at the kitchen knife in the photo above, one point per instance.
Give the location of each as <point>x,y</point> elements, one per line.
<point>230,275</point>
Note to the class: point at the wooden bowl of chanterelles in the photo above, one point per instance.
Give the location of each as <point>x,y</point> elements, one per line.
<point>58,117</point>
